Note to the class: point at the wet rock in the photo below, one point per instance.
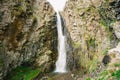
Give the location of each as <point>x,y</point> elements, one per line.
<point>68,44</point>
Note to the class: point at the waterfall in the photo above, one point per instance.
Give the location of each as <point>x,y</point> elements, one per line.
<point>58,5</point>
<point>61,62</point>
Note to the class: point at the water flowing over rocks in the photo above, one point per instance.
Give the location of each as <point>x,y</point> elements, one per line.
<point>28,35</point>
<point>64,40</point>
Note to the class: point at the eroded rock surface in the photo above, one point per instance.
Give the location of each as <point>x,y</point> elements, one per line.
<point>114,55</point>
<point>88,34</point>
<point>116,28</point>
<point>27,34</point>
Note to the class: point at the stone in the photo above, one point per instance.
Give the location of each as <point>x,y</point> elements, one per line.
<point>28,34</point>
<point>89,38</point>
<point>114,63</point>
<point>116,28</point>
<point>106,59</point>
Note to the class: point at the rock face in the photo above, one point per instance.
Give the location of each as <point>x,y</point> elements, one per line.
<point>89,30</point>
<point>115,5</point>
<point>116,28</point>
<point>68,45</point>
<point>27,34</point>
<point>114,55</point>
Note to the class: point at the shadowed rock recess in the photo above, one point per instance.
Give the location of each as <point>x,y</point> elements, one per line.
<point>28,38</point>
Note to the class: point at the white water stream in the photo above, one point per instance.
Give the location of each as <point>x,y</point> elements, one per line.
<point>58,5</point>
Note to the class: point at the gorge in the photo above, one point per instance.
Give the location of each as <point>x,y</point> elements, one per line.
<point>59,39</point>
<point>61,62</point>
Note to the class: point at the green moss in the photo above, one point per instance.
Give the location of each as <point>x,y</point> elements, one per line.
<point>91,42</point>
<point>92,65</point>
<point>88,78</point>
<point>88,65</point>
<point>116,75</point>
<point>104,75</point>
<point>117,65</point>
<point>104,24</point>
<point>76,45</point>
<point>23,73</point>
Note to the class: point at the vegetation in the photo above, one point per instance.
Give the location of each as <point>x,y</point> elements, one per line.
<point>23,73</point>
<point>105,75</point>
<point>92,65</point>
<point>91,42</point>
<point>116,75</point>
<point>117,65</point>
<point>88,78</point>
<point>105,51</point>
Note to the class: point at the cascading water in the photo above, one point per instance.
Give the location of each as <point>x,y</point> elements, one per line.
<point>61,62</point>
<point>58,5</point>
